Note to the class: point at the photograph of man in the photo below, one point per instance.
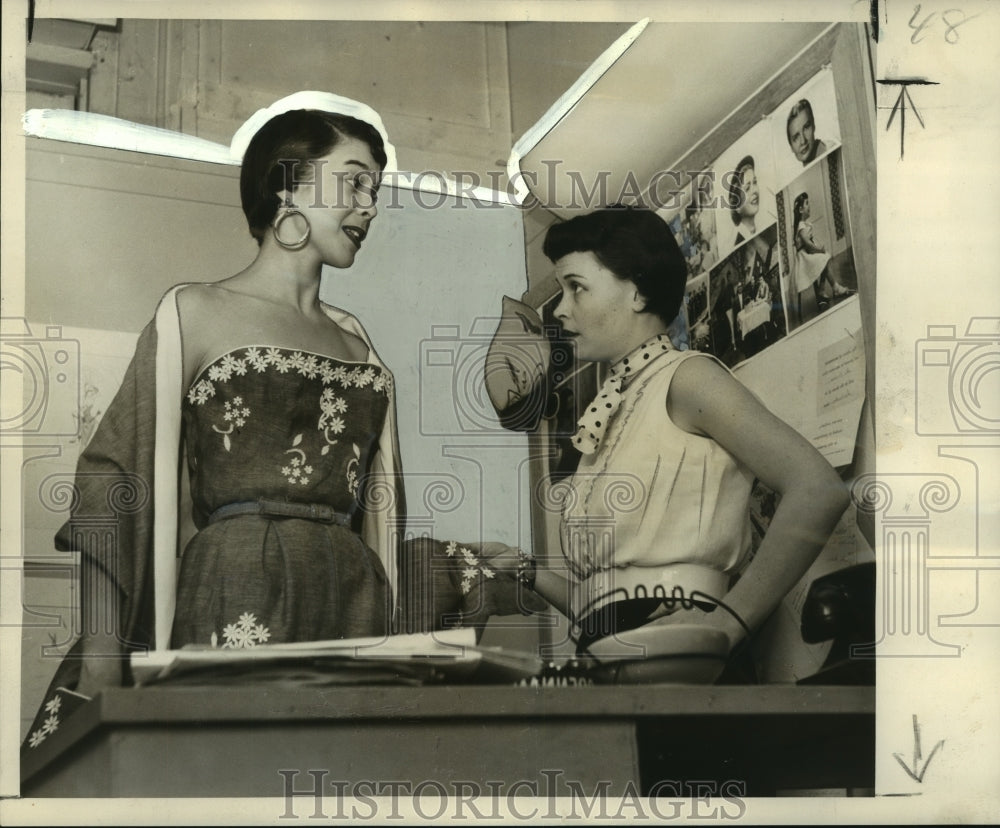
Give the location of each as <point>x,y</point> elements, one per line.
<point>800,130</point>
<point>805,127</point>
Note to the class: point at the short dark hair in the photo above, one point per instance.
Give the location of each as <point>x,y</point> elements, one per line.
<point>802,105</point>
<point>289,142</point>
<point>736,195</point>
<point>634,244</point>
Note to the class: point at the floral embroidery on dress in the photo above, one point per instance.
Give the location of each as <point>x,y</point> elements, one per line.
<point>50,725</point>
<point>236,412</point>
<point>256,360</point>
<point>352,471</point>
<point>326,372</point>
<point>329,423</point>
<point>333,418</point>
<point>243,634</point>
<point>200,392</point>
<point>275,358</point>
<point>236,415</point>
<point>473,568</point>
<point>297,470</point>
<point>297,361</point>
<point>310,366</point>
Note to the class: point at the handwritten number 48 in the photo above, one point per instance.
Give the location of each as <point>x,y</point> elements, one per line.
<point>952,19</point>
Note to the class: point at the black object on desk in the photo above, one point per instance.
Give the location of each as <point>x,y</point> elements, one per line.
<point>841,606</point>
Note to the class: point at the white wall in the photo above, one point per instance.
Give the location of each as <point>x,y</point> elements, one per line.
<point>428,287</point>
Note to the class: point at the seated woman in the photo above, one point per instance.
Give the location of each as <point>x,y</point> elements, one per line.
<point>287,418</point>
<point>812,262</point>
<point>659,504</point>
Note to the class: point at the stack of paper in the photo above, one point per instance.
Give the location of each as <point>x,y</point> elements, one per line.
<point>420,658</point>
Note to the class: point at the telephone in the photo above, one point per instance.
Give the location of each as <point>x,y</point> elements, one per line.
<point>841,606</point>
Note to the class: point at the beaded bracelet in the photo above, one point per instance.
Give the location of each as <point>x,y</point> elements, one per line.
<point>527,568</point>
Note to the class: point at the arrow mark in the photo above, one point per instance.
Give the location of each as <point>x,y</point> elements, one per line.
<point>917,772</point>
<point>901,101</point>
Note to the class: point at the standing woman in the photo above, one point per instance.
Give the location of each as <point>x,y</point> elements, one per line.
<point>287,418</point>
<point>671,445</point>
<point>286,404</point>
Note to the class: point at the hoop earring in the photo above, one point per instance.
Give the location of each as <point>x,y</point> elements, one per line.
<point>279,217</point>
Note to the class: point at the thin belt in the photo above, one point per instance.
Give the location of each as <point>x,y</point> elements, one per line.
<point>318,512</point>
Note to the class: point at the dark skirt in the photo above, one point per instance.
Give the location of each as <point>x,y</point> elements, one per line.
<point>252,579</point>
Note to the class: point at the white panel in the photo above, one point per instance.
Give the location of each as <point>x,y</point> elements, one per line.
<point>428,286</point>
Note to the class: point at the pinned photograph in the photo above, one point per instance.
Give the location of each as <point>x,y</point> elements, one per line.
<point>694,227</point>
<point>744,189</point>
<point>748,312</point>
<point>806,127</point>
<point>696,304</point>
<point>816,242</point>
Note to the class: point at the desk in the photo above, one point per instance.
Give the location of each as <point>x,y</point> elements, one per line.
<point>234,741</point>
<point>753,316</point>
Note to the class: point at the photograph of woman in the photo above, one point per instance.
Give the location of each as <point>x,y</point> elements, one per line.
<point>743,180</point>
<point>817,242</point>
<point>811,259</point>
<point>744,200</point>
<point>691,438</point>
<point>288,422</point>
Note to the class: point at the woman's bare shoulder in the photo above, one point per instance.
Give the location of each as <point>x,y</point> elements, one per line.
<point>201,299</point>
<point>353,334</point>
<point>206,313</point>
<point>697,365</point>
<point>212,309</point>
<point>695,389</point>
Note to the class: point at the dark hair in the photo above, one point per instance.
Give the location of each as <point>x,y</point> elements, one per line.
<point>634,244</point>
<point>801,105</point>
<point>800,199</point>
<point>287,144</point>
<point>736,195</point>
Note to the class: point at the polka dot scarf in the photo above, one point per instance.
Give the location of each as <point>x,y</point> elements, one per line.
<point>595,419</point>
